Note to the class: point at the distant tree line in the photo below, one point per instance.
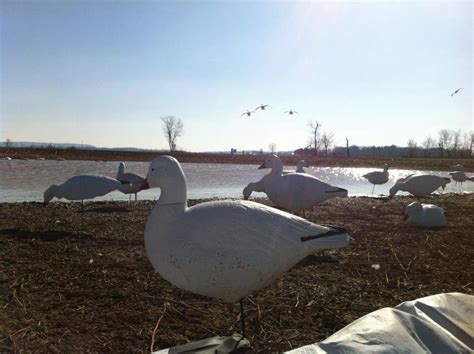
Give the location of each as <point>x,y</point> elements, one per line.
<point>448,143</point>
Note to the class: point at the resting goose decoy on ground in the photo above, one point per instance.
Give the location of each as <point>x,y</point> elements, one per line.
<point>424,215</point>
<point>299,168</point>
<point>292,191</point>
<point>377,177</point>
<point>224,249</point>
<point>133,179</point>
<point>458,167</point>
<point>420,185</point>
<point>403,179</point>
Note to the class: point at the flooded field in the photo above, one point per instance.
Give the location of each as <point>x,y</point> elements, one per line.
<point>26,180</point>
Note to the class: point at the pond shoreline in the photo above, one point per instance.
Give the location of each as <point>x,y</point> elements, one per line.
<point>72,287</point>
<point>441,164</point>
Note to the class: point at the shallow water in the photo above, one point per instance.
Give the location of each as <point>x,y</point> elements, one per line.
<point>26,180</point>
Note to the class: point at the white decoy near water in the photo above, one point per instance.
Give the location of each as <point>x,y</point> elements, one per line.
<point>133,179</point>
<point>420,185</point>
<point>224,249</point>
<point>299,168</point>
<point>7,158</point>
<point>458,167</point>
<point>292,191</point>
<point>83,187</point>
<point>377,177</point>
<point>460,177</point>
<point>424,215</point>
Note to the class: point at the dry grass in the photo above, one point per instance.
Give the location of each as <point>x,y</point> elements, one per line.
<point>67,288</point>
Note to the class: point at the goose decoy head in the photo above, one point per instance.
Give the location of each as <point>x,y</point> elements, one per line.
<point>269,162</point>
<point>163,170</point>
<point>50,193</point>
<point>121,167</point>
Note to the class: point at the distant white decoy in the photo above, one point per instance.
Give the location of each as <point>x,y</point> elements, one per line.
<point>83,187</point>
<point>7,158</point>
<point>290,112</point>
<point>460,177</point>
<point>456,91</point>
<point>262,107</point>
<point>377,177</point>
<point>458,167</point>
<point>133,179</point>
<point>424,215</point>
<point>224,249</point>
<point>420,185</point>
<point>292,191</point>
<point>299,168</point>
<point>247,113</point>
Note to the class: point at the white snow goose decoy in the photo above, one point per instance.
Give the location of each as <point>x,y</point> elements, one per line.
<point>224,249</point>
<point>83,187</point>
<point>420,185</point>
<point>292,191</point>
<point>299,168</point>
<point>133,179</point>
<point>460,177</point>
<point>377,177</point>
<point>458,167</point>
<point>424,215</point>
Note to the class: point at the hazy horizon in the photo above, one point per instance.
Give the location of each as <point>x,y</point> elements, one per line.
<point>103,73</point>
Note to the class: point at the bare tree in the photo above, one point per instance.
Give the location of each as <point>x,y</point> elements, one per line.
<point>272,147</point>
<point>327,139</point>
<point>444,141</point>
<point>428,144</point>
<point>456,142</point>
<point>411,145</point>
<point>314,140</point>
<point>172,128</point>
<point>347,148</point>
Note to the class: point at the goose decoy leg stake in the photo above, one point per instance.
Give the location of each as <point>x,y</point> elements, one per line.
<point>242,319</point>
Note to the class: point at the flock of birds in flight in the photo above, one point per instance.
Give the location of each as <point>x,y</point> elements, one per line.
<point>291,112</point>
<point>263,107</point>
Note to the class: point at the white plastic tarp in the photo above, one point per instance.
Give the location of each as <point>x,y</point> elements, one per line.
<point>442,323</point>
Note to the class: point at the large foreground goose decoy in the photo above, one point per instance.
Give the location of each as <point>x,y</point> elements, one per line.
<point>292,191</point>
<point>377,177</point>
<point>224,249</point>
<point>424,215</point>
<point>420,185</point>
<point>133,179</point>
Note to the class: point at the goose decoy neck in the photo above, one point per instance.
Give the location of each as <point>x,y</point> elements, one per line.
<point>173,192</point>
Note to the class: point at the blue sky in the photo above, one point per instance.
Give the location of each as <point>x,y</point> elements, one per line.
<point>104,72</point>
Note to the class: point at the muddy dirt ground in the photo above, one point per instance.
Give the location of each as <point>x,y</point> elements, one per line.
<point>66,287</point>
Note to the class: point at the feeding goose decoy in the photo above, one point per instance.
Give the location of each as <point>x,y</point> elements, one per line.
<point>292,191</point>
<point>424,215</point>
<point>83,187</point>
<point>377,177</point>
<point>133,179</point>
<point>419,185</point>
<point>224,249</point>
